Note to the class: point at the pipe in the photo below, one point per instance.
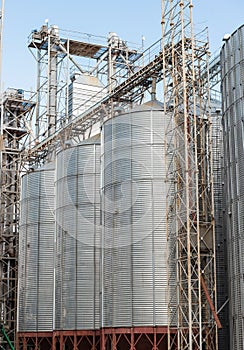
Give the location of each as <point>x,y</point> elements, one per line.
<point>153,93</point>
<point>204,287</point>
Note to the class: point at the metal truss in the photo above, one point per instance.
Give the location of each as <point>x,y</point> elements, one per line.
<point>214,71</point>
<point>16,116</point>
<point>139,338</point>
<point>60,58</point>
<point>80,339</point>
<point>126,85</point>
<point>190,221</point>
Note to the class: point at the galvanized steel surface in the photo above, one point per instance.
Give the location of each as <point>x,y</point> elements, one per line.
<point>84,92</point>
<point>134,262</point>
<point>232,70</point>
<point>78,237</point>
<point>36,250</point>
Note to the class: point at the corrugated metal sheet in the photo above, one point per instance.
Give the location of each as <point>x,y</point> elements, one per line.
<point>78,237</point>
<point>232,62</point>
<point>84,92</point>
<point>36,251</point>
<point>134,218</point>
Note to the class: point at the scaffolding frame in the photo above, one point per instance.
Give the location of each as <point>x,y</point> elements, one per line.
<point>59,58</point>
<point>106,338</point>
<point>127,75</point>
<point>190,206</point>
<point>16,115</point>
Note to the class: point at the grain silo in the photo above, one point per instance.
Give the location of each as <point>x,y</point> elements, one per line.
<point>133,195</point>
<point>232,71</point>
<point>37,227</point>
<point>77,237</point>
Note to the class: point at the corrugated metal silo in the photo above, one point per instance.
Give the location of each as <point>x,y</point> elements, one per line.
<point>232,70</point>
<point>134,261</point>
<point>78,237</point>
<point>37,226</point>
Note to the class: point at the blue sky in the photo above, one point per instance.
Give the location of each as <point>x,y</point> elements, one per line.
<point>130,19</point>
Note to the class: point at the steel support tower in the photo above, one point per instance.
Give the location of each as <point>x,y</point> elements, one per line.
<point>16,115</point>
<point>190,219</point>
<point>59,56</point>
